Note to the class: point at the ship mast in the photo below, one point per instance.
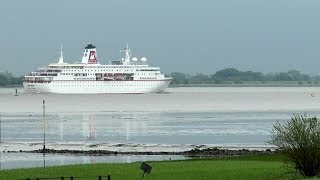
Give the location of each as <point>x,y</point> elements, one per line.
<point>127,55</point>
<point>61,56</point>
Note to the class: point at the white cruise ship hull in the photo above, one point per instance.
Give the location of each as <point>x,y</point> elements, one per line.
<point>128,75</point>
<point>94,87</point>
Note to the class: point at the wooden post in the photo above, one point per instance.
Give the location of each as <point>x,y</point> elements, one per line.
<point>62,178</point>
<point>109,178</point>
<point>71,178</point>
<point>99,178</point>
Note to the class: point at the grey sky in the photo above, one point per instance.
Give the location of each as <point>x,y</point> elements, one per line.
<point>177,35</point>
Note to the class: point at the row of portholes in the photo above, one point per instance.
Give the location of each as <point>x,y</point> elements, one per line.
<point>92,81</point>
<point>68,70</point>
<point>103,85</point>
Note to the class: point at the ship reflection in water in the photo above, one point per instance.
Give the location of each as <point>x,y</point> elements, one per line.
<point>133,129</point>
<point>87,121</point>
<point>96,128</point>
<point>79,128</point>
<point>89,127</point>
<point>130,131</point>
<point>79,131</point>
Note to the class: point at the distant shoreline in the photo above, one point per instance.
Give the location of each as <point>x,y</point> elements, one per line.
<point>253,84</point>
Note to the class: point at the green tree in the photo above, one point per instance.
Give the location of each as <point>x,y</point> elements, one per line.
<point>227,74</point>
<point>7,79</point>
<point>232,74</point>
<point>297,76</point>
<point>251,76</point>
<point>4,81</point>
<point>179,78</point>
<point>299,140</point>
<point>199,79</point>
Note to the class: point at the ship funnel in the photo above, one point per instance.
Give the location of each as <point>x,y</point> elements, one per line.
<point>89,55</point>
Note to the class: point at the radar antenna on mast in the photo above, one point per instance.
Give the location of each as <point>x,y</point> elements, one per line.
<point>127,55</point>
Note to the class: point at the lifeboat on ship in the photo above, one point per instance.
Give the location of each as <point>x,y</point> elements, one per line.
<point>119,76</point>
<point>108,76</point>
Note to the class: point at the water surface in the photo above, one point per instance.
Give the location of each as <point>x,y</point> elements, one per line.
<point>177,120</point>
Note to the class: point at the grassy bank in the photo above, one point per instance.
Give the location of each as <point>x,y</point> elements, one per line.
<point>250,167</point>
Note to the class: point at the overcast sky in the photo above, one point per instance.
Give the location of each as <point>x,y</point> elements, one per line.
<point>178,35</point>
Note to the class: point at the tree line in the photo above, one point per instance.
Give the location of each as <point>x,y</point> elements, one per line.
<point>7,79</point>
<point>235,76</point>
<point>227,75</point>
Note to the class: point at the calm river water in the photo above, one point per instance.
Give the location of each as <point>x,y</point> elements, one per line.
<point>178,120</point>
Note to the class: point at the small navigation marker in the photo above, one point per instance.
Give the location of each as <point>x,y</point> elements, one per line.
<point>16,94</point>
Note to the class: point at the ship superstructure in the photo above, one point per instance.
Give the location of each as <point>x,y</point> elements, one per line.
<point>128,75</point>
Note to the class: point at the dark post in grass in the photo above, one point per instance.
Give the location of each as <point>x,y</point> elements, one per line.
<point>0,140</point>
<point>0,128</point>
<point>44,126</point>
<point>108,177</point>
<point>145,168</point>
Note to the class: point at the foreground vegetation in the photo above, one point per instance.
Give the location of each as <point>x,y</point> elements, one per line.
<point>247,167</point>
<point>299,140</point>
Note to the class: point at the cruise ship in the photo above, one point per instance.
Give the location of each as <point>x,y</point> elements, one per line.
<point>127,75</point>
